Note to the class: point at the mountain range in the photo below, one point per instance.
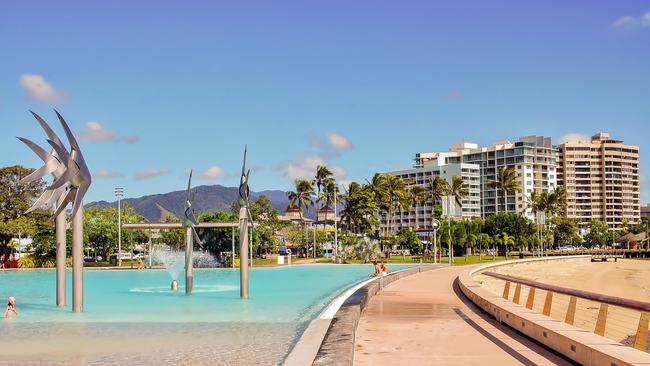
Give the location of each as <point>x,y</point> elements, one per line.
<point>207,198</point>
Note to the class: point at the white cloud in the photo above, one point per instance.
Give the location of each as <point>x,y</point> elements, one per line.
<point>339,142</point>
<point>107,174</point>
<point>455,94</point>
<point>95,132</point>
<point>152,173</point>
<point>632,22</point>
<point>305,168</point>
<point>331,145</point>
<point>214,172</point>
<point>573,137</point>
<point>626,22</point>
<point>40,89</point>
<point>645,19</point>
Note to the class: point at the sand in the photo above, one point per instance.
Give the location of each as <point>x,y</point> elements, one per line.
<point>626,278</point>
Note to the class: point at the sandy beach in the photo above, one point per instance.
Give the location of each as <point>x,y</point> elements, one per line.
<point>626,278</point>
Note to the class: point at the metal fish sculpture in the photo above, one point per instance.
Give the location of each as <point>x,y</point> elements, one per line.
<point>189,219</point>
<point>72,178</point>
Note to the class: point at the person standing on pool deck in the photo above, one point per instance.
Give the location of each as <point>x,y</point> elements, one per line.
<point>11,311</point>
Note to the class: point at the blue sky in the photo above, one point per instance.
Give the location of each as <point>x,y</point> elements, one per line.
<point>156,88</point>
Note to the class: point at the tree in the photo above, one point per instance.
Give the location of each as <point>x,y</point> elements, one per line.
<point>507,182</point>
<point>394,191</point>
<point>407,238</point>
<point>359,208</point>
<point>301,198</point>
<point>322,179</point>
<point>458,191</point>
<point>471,241</point>
<point>565,231</point>
<point>416,196</point>
<point>507,240</point>
<point>218,241</point>
<point>598,234</point>
<point>15,199</point>
<point>100,228</point>
<point>483,238</point>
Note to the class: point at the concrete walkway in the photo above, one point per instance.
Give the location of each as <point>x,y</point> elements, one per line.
<point>425,320</point>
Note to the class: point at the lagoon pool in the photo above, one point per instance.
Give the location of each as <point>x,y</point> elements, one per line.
<point>132,316</point>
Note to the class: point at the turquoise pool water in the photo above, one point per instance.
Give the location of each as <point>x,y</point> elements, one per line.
<point>134,314</point>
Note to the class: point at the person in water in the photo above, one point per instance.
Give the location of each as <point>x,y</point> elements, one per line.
<point>11,311</point>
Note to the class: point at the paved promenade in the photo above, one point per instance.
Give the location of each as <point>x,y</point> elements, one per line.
<point>424,320</point>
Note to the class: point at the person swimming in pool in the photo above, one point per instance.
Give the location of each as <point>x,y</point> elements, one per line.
<point>11,311</point>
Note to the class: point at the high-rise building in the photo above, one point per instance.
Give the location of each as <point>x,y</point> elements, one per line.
<point>534,158</point>
<point>420,218</point>
<point>601,177</point>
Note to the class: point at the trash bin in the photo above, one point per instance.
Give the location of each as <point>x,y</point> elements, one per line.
<point>113,260</point>
<point>521,255</point>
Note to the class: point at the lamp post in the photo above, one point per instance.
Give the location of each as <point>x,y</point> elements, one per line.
<point>435,225</point>
<point>336,227</point>
<point>119,193</point>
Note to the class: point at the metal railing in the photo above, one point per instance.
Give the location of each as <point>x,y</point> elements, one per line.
<point>618,321</point>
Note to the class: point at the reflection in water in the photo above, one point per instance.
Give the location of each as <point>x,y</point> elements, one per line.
<point>197,289</point>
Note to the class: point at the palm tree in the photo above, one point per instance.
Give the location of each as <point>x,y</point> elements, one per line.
<point>482,238</point>
<point>394,189</point>
<point>323,175</point>
<point>301,198</point>
<point>507,182</point>
<point>378,187</point>
<point>496,241</point>
<point>416,196</point>
<point>459,191</point>
<point>471,241</point>
<point>507,240</point>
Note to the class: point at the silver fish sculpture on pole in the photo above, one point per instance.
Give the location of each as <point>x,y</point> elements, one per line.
<point>72,179</point>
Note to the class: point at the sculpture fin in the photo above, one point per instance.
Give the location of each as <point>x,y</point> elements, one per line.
<point>48,131</point>
<point>78,200</point>
<point>41,200</point>
<point>68,132</point>
<point>69,197</point>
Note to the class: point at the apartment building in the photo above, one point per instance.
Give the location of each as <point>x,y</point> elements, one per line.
<point>601,177</point>
<point>534,158</point>
<point>421,220</point>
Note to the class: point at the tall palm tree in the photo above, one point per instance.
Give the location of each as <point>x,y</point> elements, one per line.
<point>459,191</point>
<point>323,174</point>
<point>395,189</point>
<point>437,188</point>
<point>378,188</point>
<point>301,198</point>
<point>507,182</point>
<point>416,196</point>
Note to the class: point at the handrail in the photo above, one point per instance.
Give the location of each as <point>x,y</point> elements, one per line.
<point>611,300</point>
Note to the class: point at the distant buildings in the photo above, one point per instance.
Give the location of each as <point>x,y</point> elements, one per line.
<point>645,212</point>
<point>421,220</point>
<point>601,178</point>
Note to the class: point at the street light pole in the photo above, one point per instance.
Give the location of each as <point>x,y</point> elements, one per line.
<point>119,193</point>
<point>336,227</point>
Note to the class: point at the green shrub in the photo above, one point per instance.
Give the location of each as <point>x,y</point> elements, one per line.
<point>32,261</point>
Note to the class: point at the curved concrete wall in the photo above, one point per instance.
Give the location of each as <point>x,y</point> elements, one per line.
<point>337,347</point>
<point>574,343</point>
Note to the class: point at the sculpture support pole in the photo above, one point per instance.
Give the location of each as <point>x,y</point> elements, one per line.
<point>233,247</point>
<point>61,256</point>
<point>78,260</point>
<point>189,264</point>
<point>243,252</point>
